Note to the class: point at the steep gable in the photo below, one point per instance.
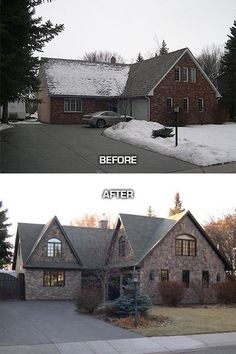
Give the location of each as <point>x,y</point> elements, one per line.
<point>38,256</point>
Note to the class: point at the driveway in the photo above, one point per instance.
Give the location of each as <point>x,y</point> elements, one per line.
<point>45,322</point>
<point>74,148</point>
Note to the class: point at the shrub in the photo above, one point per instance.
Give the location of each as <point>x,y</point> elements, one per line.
<point>162,133</point>
<point>171,292</point>
<point>89,298</point>
<point>226,292</point>
<point>125,304</point>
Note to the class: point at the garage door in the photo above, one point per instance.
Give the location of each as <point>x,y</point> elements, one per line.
<point>140,109</point>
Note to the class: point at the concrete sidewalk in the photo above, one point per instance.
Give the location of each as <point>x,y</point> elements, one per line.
<point>129,346</point>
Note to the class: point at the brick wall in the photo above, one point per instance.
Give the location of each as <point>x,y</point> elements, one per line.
<point>178,90</point>
<point>163,257</point>
<point>89,105</point>
<point>34,289</point>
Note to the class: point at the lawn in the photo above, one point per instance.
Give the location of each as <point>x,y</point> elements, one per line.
<point>192,320</point>
<point>203,145</point>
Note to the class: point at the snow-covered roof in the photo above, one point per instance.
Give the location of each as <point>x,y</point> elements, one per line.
<point>81,78</point>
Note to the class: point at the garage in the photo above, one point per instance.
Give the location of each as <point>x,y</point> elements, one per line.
<point>140,109</point>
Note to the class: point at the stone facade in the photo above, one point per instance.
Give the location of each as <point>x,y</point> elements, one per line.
<point>35,290</point>
<point>163,257</point>
<point>180,90</point>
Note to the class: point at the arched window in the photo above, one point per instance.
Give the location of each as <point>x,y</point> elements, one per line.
<point>122,246</point>
<point>185,245</point>
<point>54,248</point>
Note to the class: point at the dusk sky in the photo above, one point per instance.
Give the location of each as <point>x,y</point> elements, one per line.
<point>130,26</point>
<point>37,198</point>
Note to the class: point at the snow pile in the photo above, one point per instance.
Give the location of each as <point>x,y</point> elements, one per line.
<point>201,145</point>
<point>5,126</point>
<point>80,78</point>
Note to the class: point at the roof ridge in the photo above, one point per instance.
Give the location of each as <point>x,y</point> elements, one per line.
<point>85,61</point>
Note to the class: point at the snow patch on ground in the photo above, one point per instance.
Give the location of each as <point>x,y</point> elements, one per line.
<point>5,126</point>
<point>202,145</point>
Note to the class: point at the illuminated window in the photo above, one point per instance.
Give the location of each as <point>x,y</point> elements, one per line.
<point>164,275</point>
<point>53,278</point>
<point>185,245</point>
<point>54,248</point>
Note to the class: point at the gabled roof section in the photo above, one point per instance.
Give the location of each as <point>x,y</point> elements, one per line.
<point>145,75</point>
<point>144,232</point>
<point>82,78</point>
<point>41,235</point>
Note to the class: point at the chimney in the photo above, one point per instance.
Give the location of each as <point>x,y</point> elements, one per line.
<point>103,222</point>
<point>113,59</point>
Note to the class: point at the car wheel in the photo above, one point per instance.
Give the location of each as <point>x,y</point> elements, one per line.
<point>100,123</point>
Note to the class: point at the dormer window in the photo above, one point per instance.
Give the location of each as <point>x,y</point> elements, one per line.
<point>54,247</point>
<point>185,245</point>
<point>122,246</point>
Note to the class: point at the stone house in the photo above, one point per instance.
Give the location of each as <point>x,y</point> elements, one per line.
<point>148,90</point>
<point>56,259</point>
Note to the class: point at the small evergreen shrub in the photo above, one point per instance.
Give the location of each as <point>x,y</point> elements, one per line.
<point>171,292</point>
<point>162,133</point>
<point>125,304</point>
<point>226,292</point>
<point>89,298</point>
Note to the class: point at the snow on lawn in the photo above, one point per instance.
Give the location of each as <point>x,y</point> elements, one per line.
<point>201,145</point>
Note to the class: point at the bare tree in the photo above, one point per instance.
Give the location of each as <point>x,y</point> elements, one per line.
<point>222,231</point>
<point>210,61</point>
<point>103,56</point>
<point>88,220</point>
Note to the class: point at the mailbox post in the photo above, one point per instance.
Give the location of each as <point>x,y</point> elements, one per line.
<point>176,110</point>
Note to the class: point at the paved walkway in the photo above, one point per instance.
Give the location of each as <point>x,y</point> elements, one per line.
<point>46,148</point>
<point>183,344</point>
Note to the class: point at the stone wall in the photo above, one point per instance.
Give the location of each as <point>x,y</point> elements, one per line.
<point>34,289</point>
<point>178,90</point>
<point>163,257</point>
<point>89,105</point>
<point>114,258</point>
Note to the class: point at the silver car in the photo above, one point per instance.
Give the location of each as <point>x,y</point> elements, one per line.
<point>104,119</point>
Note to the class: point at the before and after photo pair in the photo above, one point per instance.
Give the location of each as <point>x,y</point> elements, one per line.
<point>117,173</point>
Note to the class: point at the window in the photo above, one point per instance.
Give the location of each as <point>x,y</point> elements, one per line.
<point>177,73</point>
<point>185,245</point>
<point>186,277</point>
<point>122,246</point>
<point>164,275</point>
<point>193,75</point>
<point>205,279</point>
<point>218,277</point>
<point>54,248</point>
<point>169,103</point>
<point>152,275</point>
<point>186,104</point>
<point>185,74</point>
<point>72,105</point>
<point>53,278</point>
<point>201,104</point>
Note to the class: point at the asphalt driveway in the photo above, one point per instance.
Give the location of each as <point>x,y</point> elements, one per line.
<point>36,148</point>
<point>44,322</point>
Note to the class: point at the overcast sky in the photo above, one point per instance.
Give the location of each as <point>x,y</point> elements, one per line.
<point>37,198</point>
<point>130,26</point>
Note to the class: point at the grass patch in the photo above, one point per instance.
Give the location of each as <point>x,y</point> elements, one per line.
<point>192,320</point>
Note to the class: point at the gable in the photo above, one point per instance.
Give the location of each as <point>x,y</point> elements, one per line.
<point>39,255</point>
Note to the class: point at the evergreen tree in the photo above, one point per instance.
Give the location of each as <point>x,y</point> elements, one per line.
<point>178,206</point>
<point>150,211</point>
<point>5,246</point>
<point>229,73</point>
<point>139,58</point>
<point>163,48</point>
<point>21,34</point>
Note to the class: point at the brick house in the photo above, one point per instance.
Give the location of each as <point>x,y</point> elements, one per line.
<point>149,90</point>
<point>56,259</point>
